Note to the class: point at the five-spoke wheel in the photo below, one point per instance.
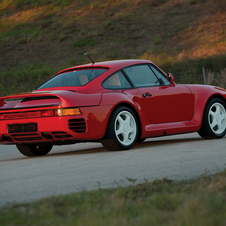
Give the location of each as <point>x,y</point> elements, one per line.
<point>125,128</point>
<point>214,119</point>
<point>122,131</point>
<point>217,118</point>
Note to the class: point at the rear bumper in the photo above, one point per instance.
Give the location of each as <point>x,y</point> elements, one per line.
<point>49,129</point>
<point>91,125</point>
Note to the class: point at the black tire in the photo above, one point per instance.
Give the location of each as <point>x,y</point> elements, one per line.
<point>214,120</point>
<point>31,150</point>
<point>141,140</point>
<point>122,130</point>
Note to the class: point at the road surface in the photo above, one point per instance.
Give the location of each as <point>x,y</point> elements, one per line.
<point>88,166</point>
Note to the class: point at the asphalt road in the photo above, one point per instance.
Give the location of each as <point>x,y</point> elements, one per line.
<point>88,166</point>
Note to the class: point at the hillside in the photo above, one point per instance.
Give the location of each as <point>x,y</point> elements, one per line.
<point>34,33</point>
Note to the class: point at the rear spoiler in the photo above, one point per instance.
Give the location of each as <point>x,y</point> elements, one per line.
<point>24,95</point>
<point>68,98</point>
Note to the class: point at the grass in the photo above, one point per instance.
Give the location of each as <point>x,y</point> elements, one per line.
<point>27,4</point>
<point>192,2</point>
<point>200,202</point>
<point>87,41</point>
<point>188,70</point>
<point>27,77</point>
<point>157,40</point>
<point>61,25</point>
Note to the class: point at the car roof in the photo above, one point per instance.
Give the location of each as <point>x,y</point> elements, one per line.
<point>120,63</point>
<point>114,64</point>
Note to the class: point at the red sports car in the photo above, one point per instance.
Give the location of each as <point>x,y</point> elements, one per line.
<point>115,102</point>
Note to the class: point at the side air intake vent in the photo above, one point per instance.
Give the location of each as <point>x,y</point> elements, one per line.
<point>77,125</point>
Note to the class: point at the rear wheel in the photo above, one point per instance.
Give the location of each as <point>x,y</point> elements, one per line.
<point>122,130</point>
<point>214,120</point>
<point>34,149</point>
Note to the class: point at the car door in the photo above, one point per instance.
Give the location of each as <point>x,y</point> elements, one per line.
<point>164,103</point>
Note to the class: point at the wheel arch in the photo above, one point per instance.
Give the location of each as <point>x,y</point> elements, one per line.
<point>217,96</point>
<point>212,97</point>
<point>133,109</point>
<point>205,130</point>
<point>201,106</point>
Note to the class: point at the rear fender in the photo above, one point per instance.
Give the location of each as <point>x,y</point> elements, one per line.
<point>134,102</point>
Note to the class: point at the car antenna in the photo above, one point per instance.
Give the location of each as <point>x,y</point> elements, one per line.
<point>86,54</point>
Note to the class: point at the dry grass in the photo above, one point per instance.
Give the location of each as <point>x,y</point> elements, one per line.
<point>217,79</point>
<point>118,29</point>
<point>200,202</point>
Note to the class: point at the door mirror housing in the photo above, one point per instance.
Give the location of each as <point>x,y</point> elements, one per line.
<point>170,78</point>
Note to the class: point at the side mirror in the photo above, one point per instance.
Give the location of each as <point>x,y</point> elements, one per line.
<point>170,79</point>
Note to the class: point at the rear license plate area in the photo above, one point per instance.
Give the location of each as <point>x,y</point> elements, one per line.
<point>23,128</point>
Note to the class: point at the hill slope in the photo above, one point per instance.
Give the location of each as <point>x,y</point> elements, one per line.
<point>48,32</point>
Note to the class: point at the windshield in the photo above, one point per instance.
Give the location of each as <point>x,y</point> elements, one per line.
<point>73,78</point>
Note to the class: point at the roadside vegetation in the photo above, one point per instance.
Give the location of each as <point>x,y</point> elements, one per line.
<point>27,77</point>
<point>199,201</point>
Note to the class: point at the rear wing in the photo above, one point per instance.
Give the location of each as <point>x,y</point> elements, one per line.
<point>57,98</point>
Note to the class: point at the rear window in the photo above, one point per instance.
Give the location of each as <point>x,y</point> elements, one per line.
<point>73,78</point>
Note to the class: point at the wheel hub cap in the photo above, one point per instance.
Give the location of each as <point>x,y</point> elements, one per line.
<point>126,127</point>
<point>217,118</point>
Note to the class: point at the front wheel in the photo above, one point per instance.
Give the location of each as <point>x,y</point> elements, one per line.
<point>214,120</point>
<point>122,130</point>
<point>34,149</point>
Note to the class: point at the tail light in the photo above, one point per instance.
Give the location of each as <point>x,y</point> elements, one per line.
<point>61,112</point>
<point>42,113</point>
<point>69,111</point>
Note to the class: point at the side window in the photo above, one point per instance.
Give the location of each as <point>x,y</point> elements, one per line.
<point>141,75</point>
<point>116,81</point>
<point>160,76</point>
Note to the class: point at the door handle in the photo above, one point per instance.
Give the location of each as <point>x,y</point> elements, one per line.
<point>147,94</point>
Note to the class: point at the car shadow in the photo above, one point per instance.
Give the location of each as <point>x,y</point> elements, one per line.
<point>79,152</point>
<point>139,145</point>
<point>149,143</point>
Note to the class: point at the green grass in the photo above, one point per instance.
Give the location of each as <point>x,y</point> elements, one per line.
<point>189,70</point>
<point>19,30</point>
<point>25,79</point>
<point>157,40</point>
<point>115,30</point>
<point>200,202</point>
<point>29,31</point>
<point>87,41</point>
<point>27,4</point>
